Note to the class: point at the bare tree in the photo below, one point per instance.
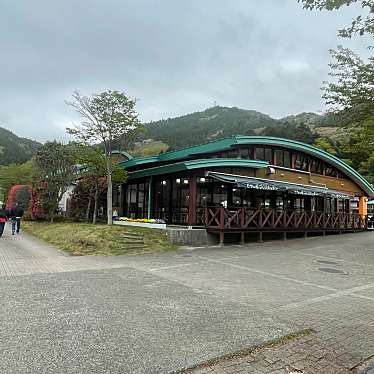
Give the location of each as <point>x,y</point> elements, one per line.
<point>108,117</point>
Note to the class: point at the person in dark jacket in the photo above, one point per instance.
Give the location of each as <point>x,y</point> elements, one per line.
<point>3,219</point>
<point>15,218</point>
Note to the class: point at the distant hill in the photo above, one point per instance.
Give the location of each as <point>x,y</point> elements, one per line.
<point>307,118</point>
<point>14,149</point>
<point>213,123</point>
<point>219,122</point>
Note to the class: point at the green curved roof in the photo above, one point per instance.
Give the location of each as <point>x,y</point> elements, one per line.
<point>227,143</point>
<point>197,164</point>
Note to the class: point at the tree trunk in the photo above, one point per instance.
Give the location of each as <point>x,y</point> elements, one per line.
<point>88,209</point>
<point>96,198</point>
<point>110,200</point>
<point>109,195</point>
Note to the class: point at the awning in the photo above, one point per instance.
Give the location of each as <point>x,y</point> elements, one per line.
<point>269,185</point>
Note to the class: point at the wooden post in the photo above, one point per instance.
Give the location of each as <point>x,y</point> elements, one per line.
<point>221,237</point>
<point>260,237</point>
<point>242,238</point>
<point>206,215</point>
<point>192,201</point>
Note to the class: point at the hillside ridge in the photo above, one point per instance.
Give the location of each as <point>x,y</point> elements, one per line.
<point>222,122</point>
<point>15,149</point>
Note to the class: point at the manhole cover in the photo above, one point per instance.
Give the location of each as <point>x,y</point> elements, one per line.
<point>331,270</point>
<point>327,262</point>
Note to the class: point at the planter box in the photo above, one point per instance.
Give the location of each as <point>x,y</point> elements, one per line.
<point>160,226</point>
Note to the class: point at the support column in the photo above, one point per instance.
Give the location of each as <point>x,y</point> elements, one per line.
<point>363,206</point>
<point>150,198</point>
<point>192,201</point>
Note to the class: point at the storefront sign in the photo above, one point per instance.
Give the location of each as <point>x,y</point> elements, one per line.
<point>259,186</point>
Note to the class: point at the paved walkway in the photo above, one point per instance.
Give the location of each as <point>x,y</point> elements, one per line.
<point>161,313</point>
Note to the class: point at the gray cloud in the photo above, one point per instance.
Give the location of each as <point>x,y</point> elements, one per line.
<point>174,56</point>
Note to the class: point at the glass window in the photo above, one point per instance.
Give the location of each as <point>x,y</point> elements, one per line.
<point>279,204</point>
<point>233,153</point>
<point>203,191</point>
<point>331,171</point>
<point>244,153</point>
<point>141,199</point>
<point>131,200</point>
<point>220,194</point>
<point>236,197</point>
<point>260,153</point>
<point>247,197</point>
<point>269,155</point>
<point>299,204</point>
<point>282,158</point>
<point>286,159</point>
<point>301,161</point>
<point>162,198</point>
<point>278,153</point>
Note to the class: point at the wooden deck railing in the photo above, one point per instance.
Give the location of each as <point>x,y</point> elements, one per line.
<point>247,219</point>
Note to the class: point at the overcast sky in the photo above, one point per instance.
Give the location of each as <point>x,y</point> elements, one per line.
<point>174,56</point>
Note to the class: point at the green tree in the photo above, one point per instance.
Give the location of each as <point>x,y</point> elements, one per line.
<point>350,94</point>
<point>107,118</point>
<point>93,170</point>
<point>360,148</point>
<point>54,169</point>
<point>294,131</point>
<point>326,145</point>
<point>360,25</point>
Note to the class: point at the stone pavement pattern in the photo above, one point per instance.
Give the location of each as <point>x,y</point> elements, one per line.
<point>160,313</point>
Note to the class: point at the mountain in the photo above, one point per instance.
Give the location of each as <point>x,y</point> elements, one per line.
<point>219,122</point>
<point>307,118</point>
<point>14,149</point>
<point>213,123</point>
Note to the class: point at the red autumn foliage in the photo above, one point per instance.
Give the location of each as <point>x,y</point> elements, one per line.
<point>18,194</point>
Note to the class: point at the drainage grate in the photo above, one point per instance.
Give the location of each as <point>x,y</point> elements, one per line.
<point>331,270</point>
<point>327,262</point>
<point>370,370</point>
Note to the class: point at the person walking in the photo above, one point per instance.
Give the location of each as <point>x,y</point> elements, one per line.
<point>3,218</point>
<point>15,218</point>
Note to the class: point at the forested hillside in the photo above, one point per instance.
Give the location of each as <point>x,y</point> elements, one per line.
<point>213,123</point>
<point>14,149</point>
<point>219,122</point>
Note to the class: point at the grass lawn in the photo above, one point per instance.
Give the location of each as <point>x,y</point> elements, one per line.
<point>84,239</point>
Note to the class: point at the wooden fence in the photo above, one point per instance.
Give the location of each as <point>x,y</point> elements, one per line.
<point>220,219</point>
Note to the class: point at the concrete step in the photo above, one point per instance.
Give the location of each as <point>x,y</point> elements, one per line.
<point>132,236</point>
<point>134,241</point>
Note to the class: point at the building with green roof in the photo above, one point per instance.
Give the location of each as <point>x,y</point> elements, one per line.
<point>247,184</point>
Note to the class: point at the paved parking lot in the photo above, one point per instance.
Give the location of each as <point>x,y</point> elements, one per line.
<point>161,313</point>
